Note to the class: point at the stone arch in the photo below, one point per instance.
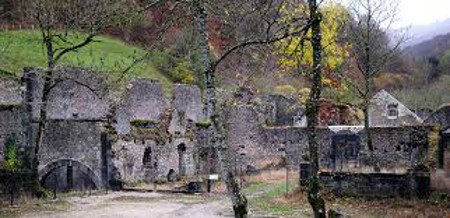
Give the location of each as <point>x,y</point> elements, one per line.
<point>58,164</point>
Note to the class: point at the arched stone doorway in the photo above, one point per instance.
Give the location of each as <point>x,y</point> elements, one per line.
<point>67,175</point>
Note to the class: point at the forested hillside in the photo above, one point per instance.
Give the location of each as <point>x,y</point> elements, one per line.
<point>419,34</point>
<point>165,36</point>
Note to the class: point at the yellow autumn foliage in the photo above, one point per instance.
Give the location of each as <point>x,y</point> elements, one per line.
<point>297,51</point>
<point>285,90</point>
<point>433,140</point>
<point>303,95</point>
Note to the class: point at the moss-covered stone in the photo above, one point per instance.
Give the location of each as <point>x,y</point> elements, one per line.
<point>9,106</point>
<point>157,131</point>
<point>144,123</point>
<point>433,140</point>
<point>203,124</point>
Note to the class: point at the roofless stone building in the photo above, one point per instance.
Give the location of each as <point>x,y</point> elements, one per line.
<point>96,136</point>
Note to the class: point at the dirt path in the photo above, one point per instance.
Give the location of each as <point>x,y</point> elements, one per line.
<point>134,205</point>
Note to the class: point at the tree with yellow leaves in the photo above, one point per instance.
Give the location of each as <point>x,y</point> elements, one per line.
<point>297,50</point>
<point>314,51</point>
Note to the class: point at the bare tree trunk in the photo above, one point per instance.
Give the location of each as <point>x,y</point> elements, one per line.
<point>367,80</point>
<point>367,122</point>
<point>201,22</point>
<point>314,196</point>
<point>217,133</point>
<point>238,200</point>
<point>42,122</point>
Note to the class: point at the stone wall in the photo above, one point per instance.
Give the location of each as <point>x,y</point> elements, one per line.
<point>379,112</point>
<point>10,126</point>
<point>70,100</point>
<point>138,161</point>
<point>11,108</point>
<point>10,92</point>
<point>396,149</point>
<point>143,100</point>
<point>440,117</point>
<point>77,94</point>
<point>378,185</point>
<point>247,139</point>
<point>79,109</point>
<point>187,109</point>
<point>72,140</point>
<point>280,110</point>
<point>148,160</point>
<point>187,100</point>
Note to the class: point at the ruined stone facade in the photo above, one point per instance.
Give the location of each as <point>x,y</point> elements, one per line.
<point>89,136</point>
<point>10,113</point>
<point>400,142</point>
<point>387,111</point>
<point>147,159</point>
<point>95,137</point>
<point>440,120</point>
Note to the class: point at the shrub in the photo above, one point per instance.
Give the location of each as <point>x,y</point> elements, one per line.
<point>12,161</point>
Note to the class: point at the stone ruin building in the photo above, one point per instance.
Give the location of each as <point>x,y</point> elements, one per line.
<point>96,136</point>
<point>440,120</point>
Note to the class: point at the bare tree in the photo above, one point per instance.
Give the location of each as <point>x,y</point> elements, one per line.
<point>267,30</point>
<point>312,109</point>
<point>67,26</point>
<point>371,47</point>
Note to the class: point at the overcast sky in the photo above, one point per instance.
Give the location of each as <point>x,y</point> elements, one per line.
<point>419,12</point>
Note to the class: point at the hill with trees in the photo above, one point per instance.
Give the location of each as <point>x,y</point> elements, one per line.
<point>422,33</point>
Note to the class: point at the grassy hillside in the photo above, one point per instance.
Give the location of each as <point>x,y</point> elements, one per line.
<point>431,96</point>
<point>25,49</point>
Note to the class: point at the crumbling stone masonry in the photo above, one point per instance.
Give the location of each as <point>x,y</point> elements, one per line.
<point>141,155</point>
<point>92,139</point>
<point>97,137</point>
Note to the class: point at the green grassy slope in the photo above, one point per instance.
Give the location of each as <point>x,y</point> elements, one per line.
<point>431,96</point>
<point>25,49</point>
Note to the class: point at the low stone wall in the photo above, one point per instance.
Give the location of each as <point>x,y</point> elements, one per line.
<point>377,185</point>
<point>395,149</point>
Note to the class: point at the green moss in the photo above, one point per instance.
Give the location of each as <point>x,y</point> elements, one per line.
<point>157,131</point>
<point>433,141</point>
<point>203,124</point>
<point>144,123</point>
<point>10,106</point>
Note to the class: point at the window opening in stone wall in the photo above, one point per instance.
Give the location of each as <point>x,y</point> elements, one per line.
<point>171,176</point>
<point>392,111</point>
<point>181,162</point>
<point>147,159</point>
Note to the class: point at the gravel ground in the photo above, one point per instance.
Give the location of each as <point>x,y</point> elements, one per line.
<point>134,205</point>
